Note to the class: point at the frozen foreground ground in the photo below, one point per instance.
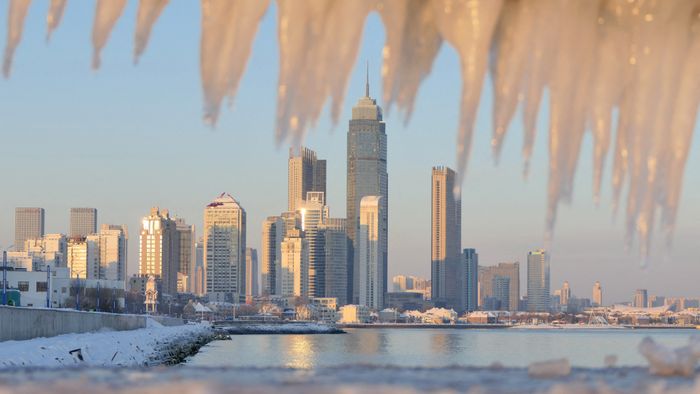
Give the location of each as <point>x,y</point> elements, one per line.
<point>113,363</point>
<point>345,380</point>
<point>149,346</point>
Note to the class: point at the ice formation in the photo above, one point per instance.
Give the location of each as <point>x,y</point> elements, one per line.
<point>53,19</point>
<point>549,369</point>
<point>625,70</point>
<point>670,362</point>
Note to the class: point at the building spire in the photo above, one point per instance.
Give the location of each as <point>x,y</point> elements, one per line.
<point>367,81</point>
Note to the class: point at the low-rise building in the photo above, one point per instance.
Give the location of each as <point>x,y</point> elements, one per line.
<point>354,314</point>
<point>405,301</point>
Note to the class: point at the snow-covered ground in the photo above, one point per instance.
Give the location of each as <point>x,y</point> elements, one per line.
<point>152,345</point>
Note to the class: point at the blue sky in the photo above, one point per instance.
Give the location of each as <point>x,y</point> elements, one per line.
<point>127,137</point>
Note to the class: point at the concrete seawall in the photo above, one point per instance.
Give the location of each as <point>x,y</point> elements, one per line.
<point>27,323</point>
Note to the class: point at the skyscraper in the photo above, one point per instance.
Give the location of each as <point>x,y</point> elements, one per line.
<point>294,275</point>
<point>113,252</point>
<point>640,298</point>
<point>83,222</point>
<point>271,258</point>
<point>538,296</point>
<point>306,173</point>
<point>159,249</point>
<point>445,239</point>
<point>84,257</point>
<point>468,285</point>
<point>186,233</point>
<point>367,176</point>
<point>199,286</point>
<point>371,253</point>
<point>597,294</point>
<point>565,293</point>
<point>314,213</point>
<point>335,239</point>
<point>224,249</point>
<point>501,291</point>
<point>29,223</point>
<point>251,274</point>
<point>510,270</point>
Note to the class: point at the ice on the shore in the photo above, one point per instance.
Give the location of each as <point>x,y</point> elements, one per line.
<point>106,348</point>
<point>549,369</point>
<point>670,362</point>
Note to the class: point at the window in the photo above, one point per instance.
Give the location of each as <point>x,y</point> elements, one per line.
<point>23,286</point>
<point>41,287</point>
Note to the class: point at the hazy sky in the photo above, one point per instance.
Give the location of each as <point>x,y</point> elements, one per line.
<point>126,137</point>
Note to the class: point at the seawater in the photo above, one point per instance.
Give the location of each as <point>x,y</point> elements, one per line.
<point>435,348</point>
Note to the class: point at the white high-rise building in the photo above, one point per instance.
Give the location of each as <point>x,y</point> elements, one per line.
<point>273,229</point>
<point>294,273</point>
<point>224,249</point>
<point>597,294</point>
<point>159,251</point>
<point>314,213</point>
<point>51,249</point>
<point>84,257</point>
<point>83,222</point>
<point>565,293</point>
<point>371,252</point>
<point>538,294</point>
<point>113,247</point>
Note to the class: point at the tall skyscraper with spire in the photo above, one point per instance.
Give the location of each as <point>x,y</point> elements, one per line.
<point>367,176</point>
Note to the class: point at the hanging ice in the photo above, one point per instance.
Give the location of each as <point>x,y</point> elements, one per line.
<point>107,13</point>
<point>625,70</point>
<point>15,24</point>
<point>53,18</point>
<point>149,11</point>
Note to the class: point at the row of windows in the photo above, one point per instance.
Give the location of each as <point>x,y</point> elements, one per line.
<point>39,287</point>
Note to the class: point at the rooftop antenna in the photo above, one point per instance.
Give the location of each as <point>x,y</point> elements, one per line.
<point>367,81</point>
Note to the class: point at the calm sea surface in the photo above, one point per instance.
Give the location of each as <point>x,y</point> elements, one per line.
<point>434,348</point>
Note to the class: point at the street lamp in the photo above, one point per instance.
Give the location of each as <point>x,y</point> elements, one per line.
<point>4,275</point>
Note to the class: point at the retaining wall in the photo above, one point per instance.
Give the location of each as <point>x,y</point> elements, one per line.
<point>27,323</point>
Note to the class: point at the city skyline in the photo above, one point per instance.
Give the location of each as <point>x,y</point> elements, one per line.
<point>500,231</point>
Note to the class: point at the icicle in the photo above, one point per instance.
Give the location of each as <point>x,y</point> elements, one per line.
<point>411,46</point>
<point>53,18</point>
<point>319,41</point>
<point>149,11</point>
<point>228,30</point>
<point>15,23</point>
<point>468,26</point>
<point>107,13</point>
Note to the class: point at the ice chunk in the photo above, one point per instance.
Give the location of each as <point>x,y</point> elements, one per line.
<point>549,369</point>
<point>668,362</point>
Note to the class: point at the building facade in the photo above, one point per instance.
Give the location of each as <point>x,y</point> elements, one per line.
<point>468,286</point>
<point>273,229</point>
<point>445,239</point>
<point>538,294</point>
<point>113,248</point>
<point>501,292</point>
<point>367,176</point>
<point>29,223</point>
<point>510,270</point>
<point>597,294</point>
<point>186,233</point>
<point>371,253</point>
<point>294,273</point>
<point>83,222</point>
<point>251,274</point>
<point>84,257</point>
<point>314,213</point>
<point>333,234</point>
<point>159,249</point>
<point>306,173</point>
<point>640,298</point>
<point>224,249</point>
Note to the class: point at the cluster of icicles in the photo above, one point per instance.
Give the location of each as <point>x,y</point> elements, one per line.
<point>639,59</point>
